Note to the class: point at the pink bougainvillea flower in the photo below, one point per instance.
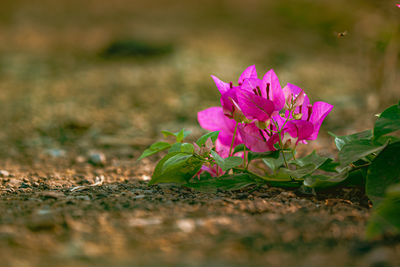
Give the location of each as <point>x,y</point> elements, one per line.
<point>261,99</point>
<point>229,91</point>
<point>398,5</point>
<point>256,139</point>
<point>213,119</point>
<point>307,128</point>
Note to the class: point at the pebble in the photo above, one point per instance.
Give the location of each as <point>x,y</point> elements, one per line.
<point>4,173</point>
<point>186,225</point>
<point>97,158</point>
<point>136,222</point>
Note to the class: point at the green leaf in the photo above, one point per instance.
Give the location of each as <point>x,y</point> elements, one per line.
<point>329,165</point>
<point>187,147</point>
<point>178,135</point>
<point>325,180</point>
<point>227,163</point>
<point>168,133</point>
<point>218,159</point>
<point>231,162</point>
<point>312,158</point>
<point>154,148</point>
<point>275,160</point>
<point>386,216</point>
<point>202,140</point>
<point>176,167</point>
<point>175,148</point>
<point>356,150</point>
<point>182,147</point>
<point>383,172</point>
<point>300,172</point>
<point>388,121</point>
<point>240,148</point>
<point>226,182</point>
<point>256,155</point>
<point>341,141</point>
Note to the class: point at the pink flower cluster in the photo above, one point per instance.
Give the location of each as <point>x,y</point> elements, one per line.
<point>261,115</point>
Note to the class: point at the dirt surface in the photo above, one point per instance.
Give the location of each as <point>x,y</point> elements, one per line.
<point>55,214</point>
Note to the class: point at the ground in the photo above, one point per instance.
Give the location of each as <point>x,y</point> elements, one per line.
<point>54,214</point>
<point>86,87</point>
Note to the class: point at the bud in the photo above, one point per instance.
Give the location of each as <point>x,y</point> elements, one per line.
<point>297,116</point>
<point>288,141</point>
<point>263,124</point>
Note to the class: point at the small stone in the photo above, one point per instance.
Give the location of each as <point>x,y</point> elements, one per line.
<point>56,153</point>
<point>4,173</point>
<point>97,158</point>
<point>139,196</point>
<point>14,182</point>
<point>186,225</point>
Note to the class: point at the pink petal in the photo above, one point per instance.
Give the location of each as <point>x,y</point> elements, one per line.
<point>222,86</point>
<point>254,138</point>
<point>226,101</point>
<point>300,129</point>
<point>249,73</point>
<point>319,112</point>
<point>213,119</point>
<point>276,93</point>
<point>254,106</point>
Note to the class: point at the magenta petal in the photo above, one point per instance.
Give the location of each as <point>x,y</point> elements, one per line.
<point>226,101</point>
<point>249,73</point>
<point>254,106</point>
<point>298,95</point>
<point>319,112</point>
<point>254,138</point>
<point>213,119</point>
<point>222,86</point>
<point>276,92</point>
<point>250,84</point>
<point>299,129</point>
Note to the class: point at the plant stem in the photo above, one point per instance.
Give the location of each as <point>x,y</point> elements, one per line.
<point>245,158</point>
<point>233,139</point>
<point>265,178</point>
<point>354,168</point>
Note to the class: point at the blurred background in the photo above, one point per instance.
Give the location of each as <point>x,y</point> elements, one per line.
<point>81,75</point>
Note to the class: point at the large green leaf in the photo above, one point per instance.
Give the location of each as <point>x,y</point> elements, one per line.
<point>300,172</point>
<point>275,160</point>
<point>356,150</point>
<point>326,180</point>
<point>341,141</point>
<point>386,216</point>
<point>154,148</point>
<point>202,140</point>
<point>226,182</point>
<point>182,147</point>
<point>176,167</point>
<point>312,158</point>
<point>227,163</point>
<point>388,121</point>
<point>383,172</point>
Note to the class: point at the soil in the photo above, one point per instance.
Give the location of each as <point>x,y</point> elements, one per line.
<point>60,212</point>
